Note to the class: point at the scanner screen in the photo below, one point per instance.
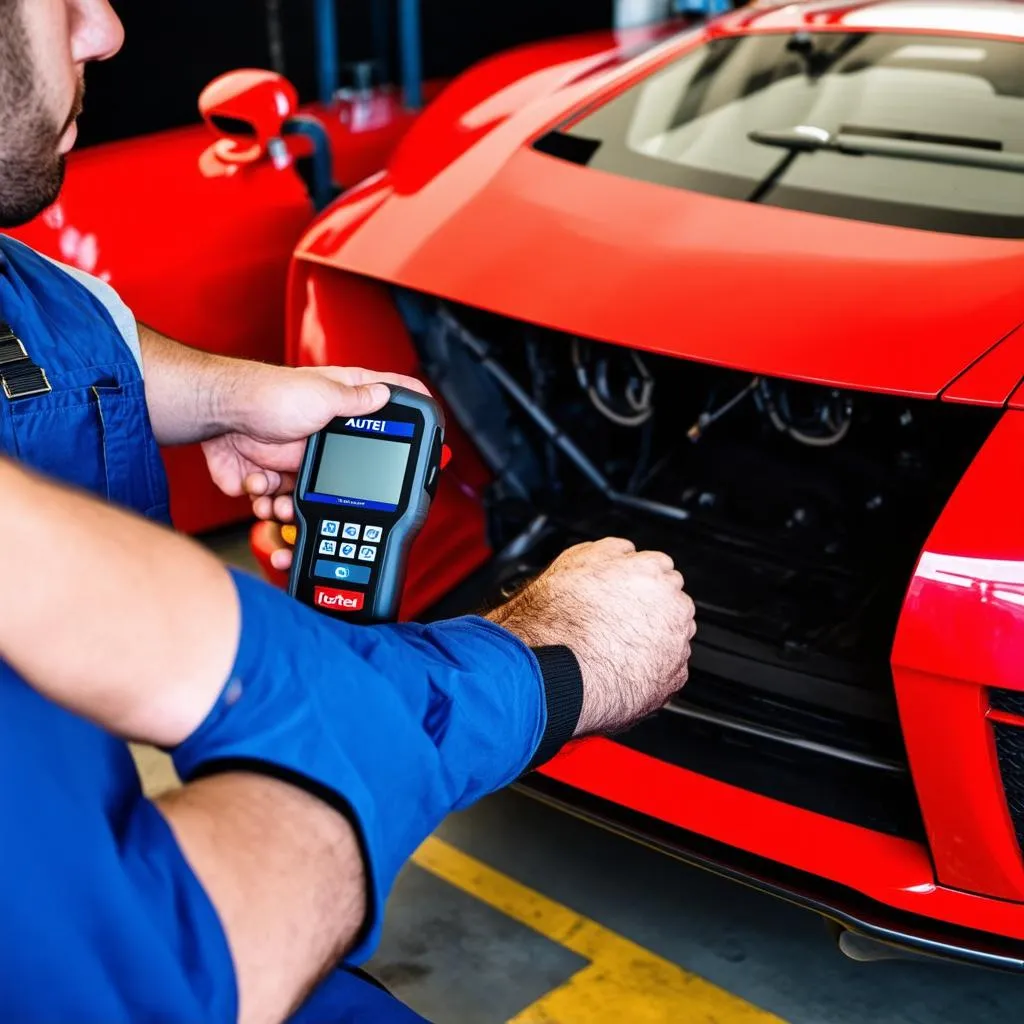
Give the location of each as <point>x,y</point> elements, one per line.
<point>369,470</point>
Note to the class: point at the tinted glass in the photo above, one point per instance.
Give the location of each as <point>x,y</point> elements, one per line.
<point>919,131</point>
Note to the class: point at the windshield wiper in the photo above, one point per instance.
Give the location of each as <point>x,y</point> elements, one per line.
<point>806,138</point>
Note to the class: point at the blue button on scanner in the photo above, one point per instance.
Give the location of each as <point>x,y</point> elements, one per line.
<point>326,570</point>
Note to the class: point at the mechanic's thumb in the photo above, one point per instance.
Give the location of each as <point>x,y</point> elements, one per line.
<point>365,398</point>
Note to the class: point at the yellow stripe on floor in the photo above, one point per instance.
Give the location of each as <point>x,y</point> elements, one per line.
<point>623,983</point>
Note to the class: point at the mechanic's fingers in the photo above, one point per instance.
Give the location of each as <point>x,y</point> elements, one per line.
<point>284,508</point>
<point>263,508</point>
<point>265,482</point>
<point>657,560</point>
<point>268,481</point>
<point>357,375</point>
<point>281,559</point>
<point>608,546</point>
<point>361,399</point>
<point>256,484</point>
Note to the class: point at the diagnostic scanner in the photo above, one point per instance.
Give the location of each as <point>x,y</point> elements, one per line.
<point>361,498</point>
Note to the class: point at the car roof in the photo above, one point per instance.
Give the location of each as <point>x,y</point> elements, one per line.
<point>1003,18</point>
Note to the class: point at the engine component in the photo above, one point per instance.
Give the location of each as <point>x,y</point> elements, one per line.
<point>562,441</point>
<point>813,416</point>
<point>594,368</point>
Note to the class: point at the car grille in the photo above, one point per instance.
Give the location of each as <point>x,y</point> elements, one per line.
<point>1010,750</point>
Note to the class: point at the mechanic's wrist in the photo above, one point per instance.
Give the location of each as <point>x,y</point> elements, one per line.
<point>235,385</point>
<point>563,695</point>
<point>594,714</point>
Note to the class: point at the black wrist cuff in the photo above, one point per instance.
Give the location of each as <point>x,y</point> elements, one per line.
<point>563,691</point>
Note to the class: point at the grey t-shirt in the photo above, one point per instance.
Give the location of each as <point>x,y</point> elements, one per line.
<point>119,312</point>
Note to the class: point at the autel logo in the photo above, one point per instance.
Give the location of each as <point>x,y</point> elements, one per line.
<point>390,428</point>
<point>377,426</point>
<point>338,600</point>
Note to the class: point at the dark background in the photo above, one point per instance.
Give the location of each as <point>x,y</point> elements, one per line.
<point>175,47</point>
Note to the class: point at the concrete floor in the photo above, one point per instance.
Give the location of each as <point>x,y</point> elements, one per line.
<point>460,964</point>
<point>458,960</point>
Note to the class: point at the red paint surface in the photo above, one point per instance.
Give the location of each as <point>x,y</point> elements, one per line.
<point>962,630</point>
<point>993,379</point>
<point>261,100</point>
<point>469,211</point>
<point>895,872</point>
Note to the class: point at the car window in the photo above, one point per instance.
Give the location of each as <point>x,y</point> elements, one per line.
<point>914,130</point>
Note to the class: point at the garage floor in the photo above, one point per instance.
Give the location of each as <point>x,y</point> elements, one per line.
<point>515,912</point>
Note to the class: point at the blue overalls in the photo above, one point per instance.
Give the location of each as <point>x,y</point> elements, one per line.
<point>101,918</point>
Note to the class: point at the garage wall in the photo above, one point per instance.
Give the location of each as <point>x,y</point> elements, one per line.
<point>174,47</point>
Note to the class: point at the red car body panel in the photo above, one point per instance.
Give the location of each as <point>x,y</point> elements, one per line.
<point>199,248</point>
<point>991,380</point>
<point>481,218</point>
<point>891,871</point>
<point>594,238</point>
<point>962,630</point>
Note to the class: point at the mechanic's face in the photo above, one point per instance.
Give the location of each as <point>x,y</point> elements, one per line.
<point>44,47</point>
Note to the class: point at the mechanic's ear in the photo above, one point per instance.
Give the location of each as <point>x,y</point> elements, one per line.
<point>249,108</point>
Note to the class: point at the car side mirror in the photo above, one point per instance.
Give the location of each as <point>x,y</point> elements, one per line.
<point>248,110</point>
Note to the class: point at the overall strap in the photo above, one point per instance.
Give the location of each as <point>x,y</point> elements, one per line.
<point>20,377</point>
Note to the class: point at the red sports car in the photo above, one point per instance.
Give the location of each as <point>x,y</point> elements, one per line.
<point>752,294</point>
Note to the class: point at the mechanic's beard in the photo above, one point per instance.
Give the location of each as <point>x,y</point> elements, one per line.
<point>30,180</point>
<point>31,168</point>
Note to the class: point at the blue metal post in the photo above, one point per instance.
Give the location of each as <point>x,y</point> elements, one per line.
<point>411,53</point>
<point>711,8</point>
<point>326,30</point>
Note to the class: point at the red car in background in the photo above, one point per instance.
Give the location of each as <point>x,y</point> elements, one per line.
<point>196,239</point>
<point>752,294</point>
<point>197,235</point>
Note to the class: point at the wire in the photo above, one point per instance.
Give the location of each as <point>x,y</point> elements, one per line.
<point>638,394</point>
<point>696,432</point>
<point>830,423</point>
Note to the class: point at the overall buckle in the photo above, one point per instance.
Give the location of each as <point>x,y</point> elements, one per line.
<point>19,376</point>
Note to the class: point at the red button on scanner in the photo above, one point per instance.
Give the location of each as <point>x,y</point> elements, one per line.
<point>338,600</point>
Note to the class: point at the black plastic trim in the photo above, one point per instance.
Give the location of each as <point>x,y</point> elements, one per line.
<point>1011,701</point>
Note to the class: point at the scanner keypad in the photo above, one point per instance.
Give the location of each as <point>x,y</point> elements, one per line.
<point>352,550</point>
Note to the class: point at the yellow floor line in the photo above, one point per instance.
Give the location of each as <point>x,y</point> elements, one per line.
<point>623,983</point>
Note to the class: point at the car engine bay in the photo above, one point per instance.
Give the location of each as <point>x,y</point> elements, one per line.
<point>796,513</point>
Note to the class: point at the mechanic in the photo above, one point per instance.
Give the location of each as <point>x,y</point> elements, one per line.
<point>316,756</point>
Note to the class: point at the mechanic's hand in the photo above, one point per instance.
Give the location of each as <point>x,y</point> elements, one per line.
<point>281,407</point>
<point>624,614</point>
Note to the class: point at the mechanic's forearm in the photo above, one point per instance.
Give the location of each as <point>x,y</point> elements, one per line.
<point>191,395</point>
<point>396,726</point>
<point>122,621</point>
<point>285,874</point>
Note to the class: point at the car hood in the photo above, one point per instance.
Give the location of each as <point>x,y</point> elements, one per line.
<point>506,228</point>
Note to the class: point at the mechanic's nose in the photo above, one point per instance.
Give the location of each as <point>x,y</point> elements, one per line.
<point>96,31</point>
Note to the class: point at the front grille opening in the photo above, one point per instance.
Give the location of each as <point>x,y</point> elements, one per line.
<point>796,513</point>
<point>1010,752</point>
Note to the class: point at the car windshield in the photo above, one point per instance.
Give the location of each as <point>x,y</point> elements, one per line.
<point>912,130</point>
